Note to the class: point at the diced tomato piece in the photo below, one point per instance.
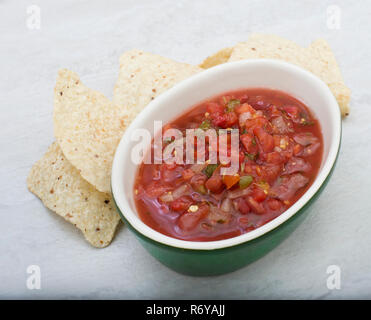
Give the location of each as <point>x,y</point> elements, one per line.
<point>198,182</point>
<point>230,118</point>
<point>292,111</point>
<point>255,206</point>
<point>189,220</point>
<point>230,181</point>
<point>249,143</point>
<point>181,204</point>
<point>242,108</point>
<point>213,107</point>
<point>242,205</point>
<point>224,120</point>
<point>258,122</point>
<point>265,139</point>
<point>269,173</point>
<point>274,157</point>
<point>218,120</point>
<point>215,183</point>
<point>297,149</point>
<point>258,194</point>
<point>274,204</point>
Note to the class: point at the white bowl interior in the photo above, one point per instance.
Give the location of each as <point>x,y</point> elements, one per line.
<point>271,74</point>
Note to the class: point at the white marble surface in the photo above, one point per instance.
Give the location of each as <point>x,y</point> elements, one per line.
<point>88,37</point>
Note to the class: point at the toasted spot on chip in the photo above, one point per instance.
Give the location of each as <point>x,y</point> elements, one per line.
<point>88,128</point>
<point>143,76</point>
<point>318,58</point>
<point>220,57</point>
<point>78,201</point>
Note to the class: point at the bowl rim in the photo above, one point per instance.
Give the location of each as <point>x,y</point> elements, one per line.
<point>140,227</point>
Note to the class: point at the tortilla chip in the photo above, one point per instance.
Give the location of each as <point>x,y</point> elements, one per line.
<point>220,57</point>
<point>329,71</point>
<point>60,187</point>
<point>88,128</point>
<point>317,58</point>
<point>144,76</point>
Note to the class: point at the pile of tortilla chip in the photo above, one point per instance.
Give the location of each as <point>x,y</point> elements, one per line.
<point>73,177</point>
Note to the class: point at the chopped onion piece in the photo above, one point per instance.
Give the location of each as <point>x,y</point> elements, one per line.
<point>216,215</point>
<point>305,139</point>
<point>277,149</point>
<point>183,190</point>
<point>166,197</point>
<point>243,117</point>
<point>238,193</point>
<point>226,205</point>
<point>280,126</point>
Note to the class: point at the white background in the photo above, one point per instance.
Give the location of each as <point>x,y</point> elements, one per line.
<point>88,37</point>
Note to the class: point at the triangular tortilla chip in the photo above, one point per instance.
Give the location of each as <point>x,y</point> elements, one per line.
<point>88,128</point>
<point>317,58</point>
<point>220,57</point>
<point>61,188</point>
<point>329,71</point>
<point>143,76</point>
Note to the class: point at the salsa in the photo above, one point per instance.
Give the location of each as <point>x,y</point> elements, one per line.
<point>279,152</point>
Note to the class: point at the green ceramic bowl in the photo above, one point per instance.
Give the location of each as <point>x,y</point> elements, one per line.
<point>218,257</point>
